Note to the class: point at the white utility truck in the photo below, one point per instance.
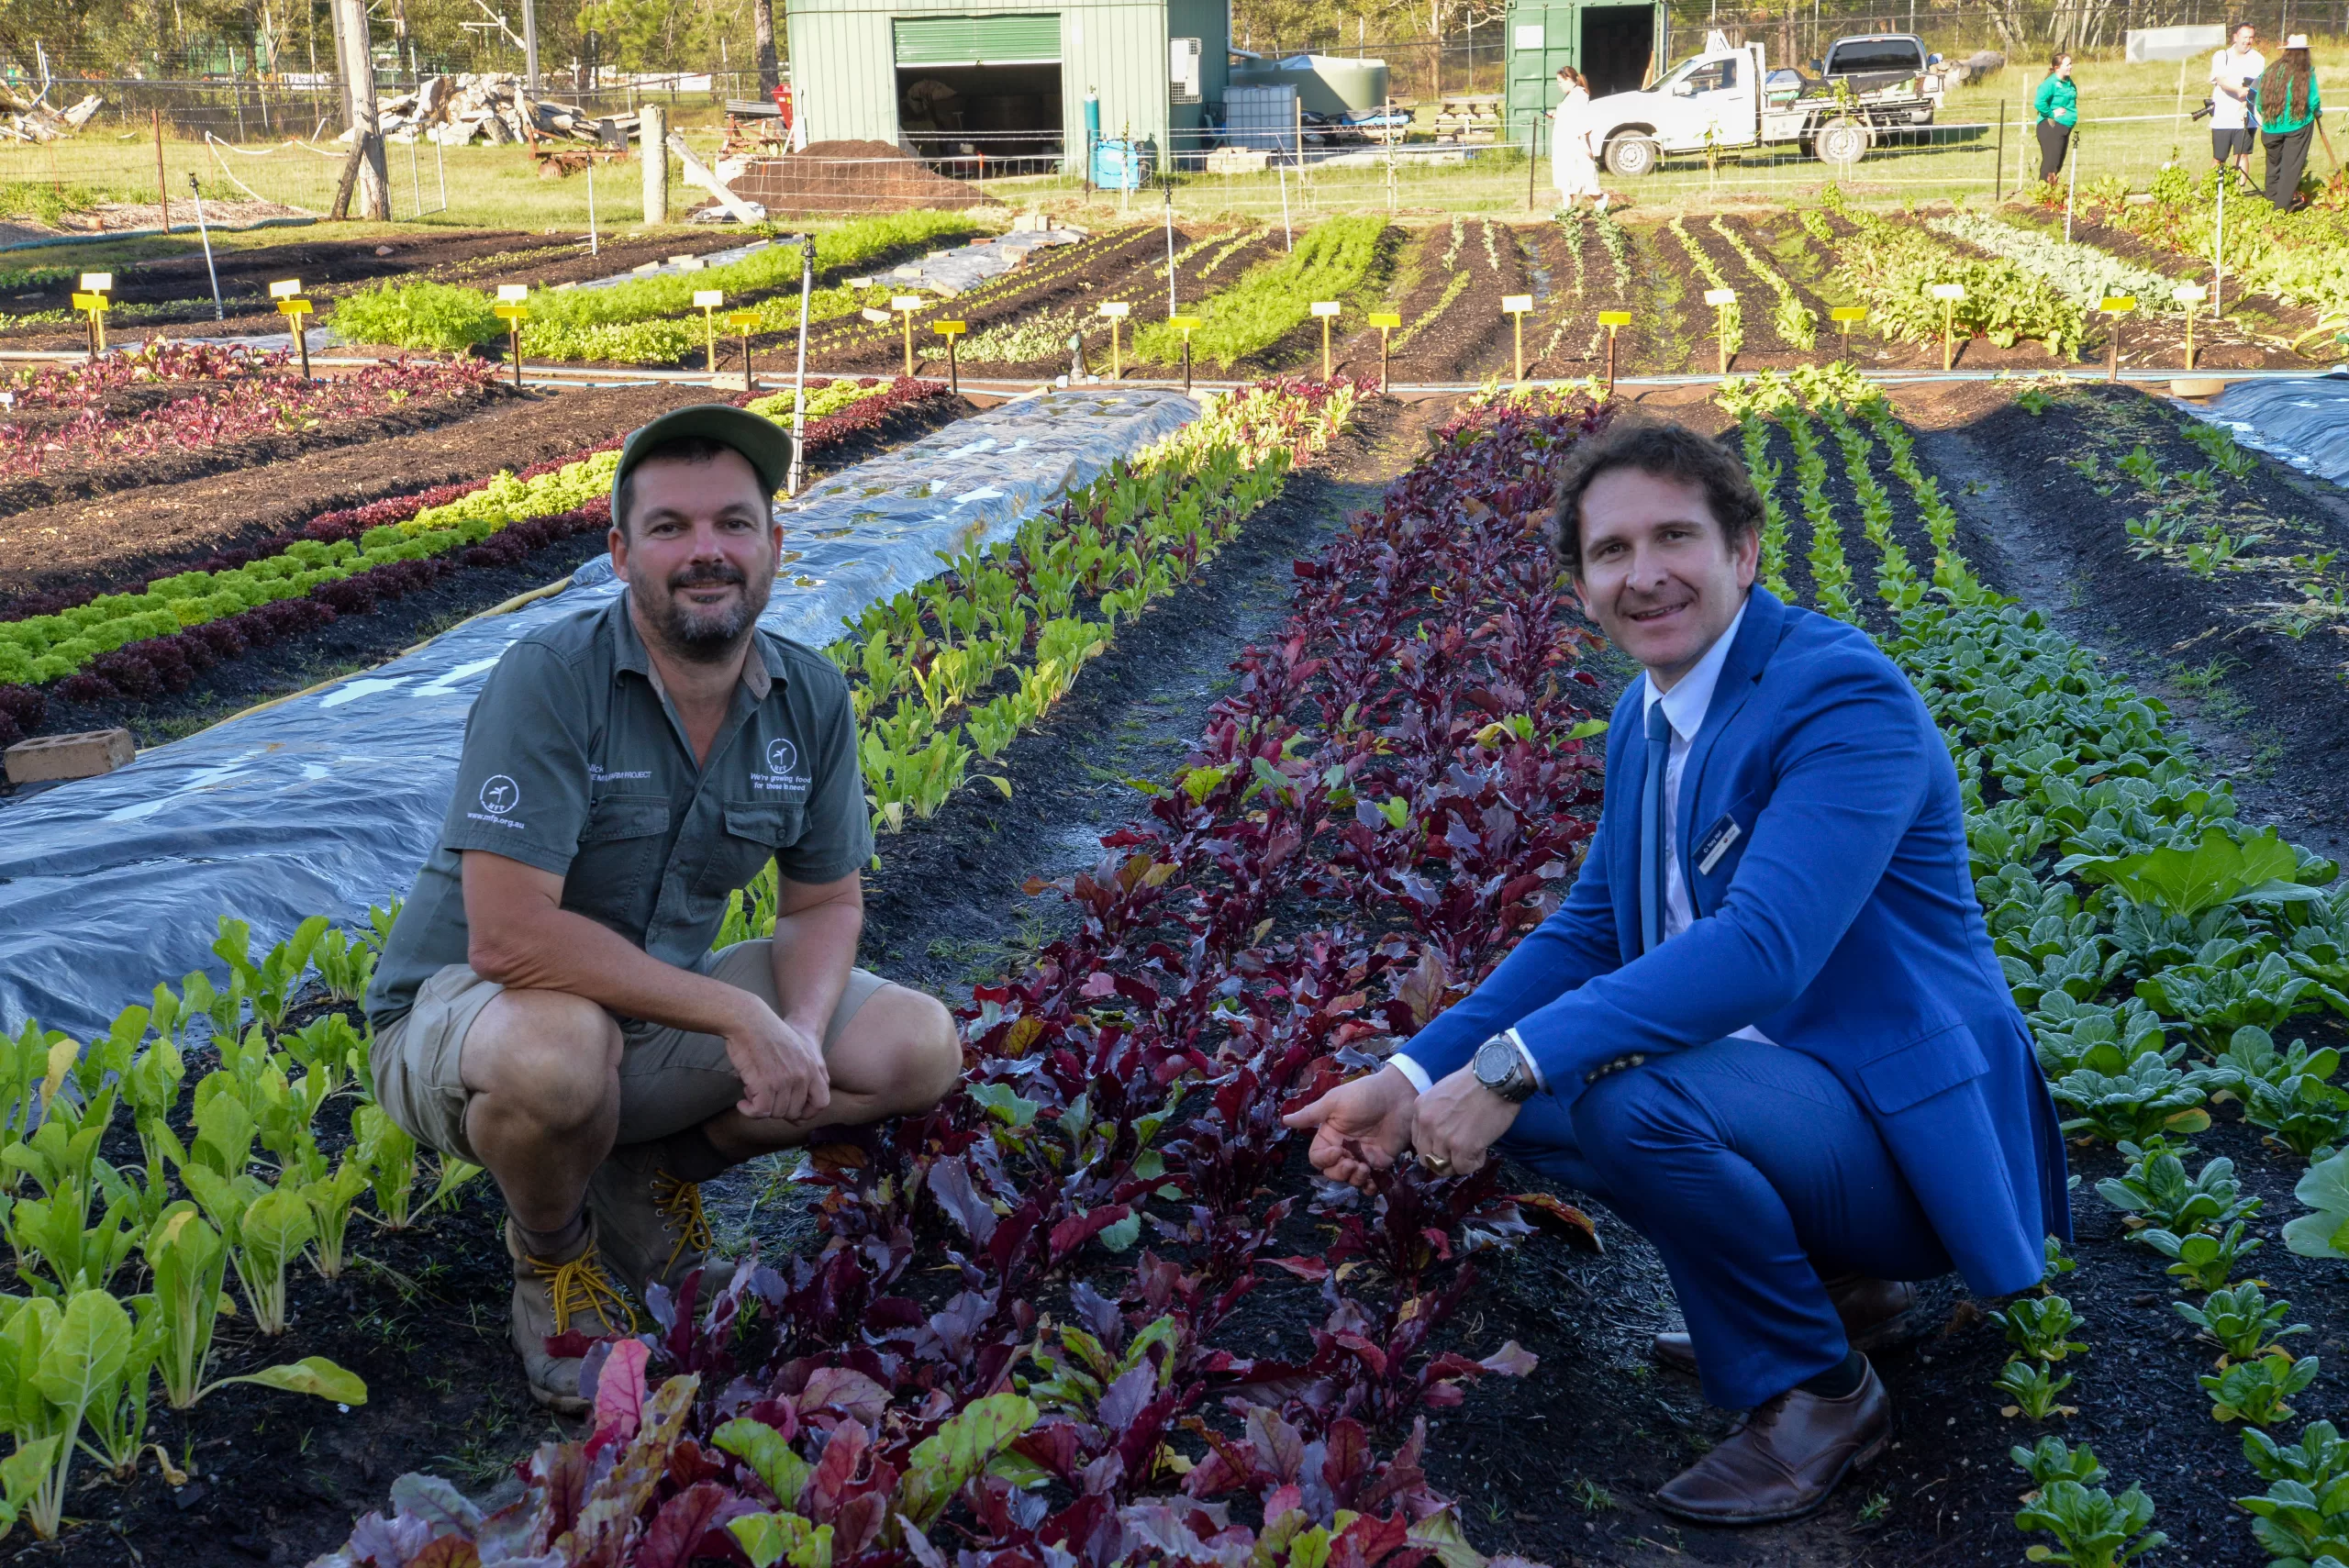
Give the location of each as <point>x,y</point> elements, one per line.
<point>1871,88</point>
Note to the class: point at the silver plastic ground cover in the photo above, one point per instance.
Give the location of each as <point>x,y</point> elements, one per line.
<point>329,802</point>
<point>2305,423</point>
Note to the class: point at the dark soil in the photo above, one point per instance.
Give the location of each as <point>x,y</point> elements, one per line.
<point>359,642</point>
<point>1127,263</point>
<point>2281,699</point>
<point>170,520</point>
<point>1470,339</point>
<point>81,480</point>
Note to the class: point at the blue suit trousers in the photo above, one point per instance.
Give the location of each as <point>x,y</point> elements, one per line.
<point>1755,1174</point>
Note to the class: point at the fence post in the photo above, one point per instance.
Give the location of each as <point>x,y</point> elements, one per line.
<point>162,194</point>
<point>653,127</point>
<point>1999,160</point>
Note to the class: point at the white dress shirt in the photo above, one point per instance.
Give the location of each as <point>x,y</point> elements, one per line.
<point>1685,706</point>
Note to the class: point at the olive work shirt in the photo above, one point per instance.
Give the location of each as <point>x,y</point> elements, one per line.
<point>575,763</point>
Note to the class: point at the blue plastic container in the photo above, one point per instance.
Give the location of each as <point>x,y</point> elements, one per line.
<point>1119,164</point>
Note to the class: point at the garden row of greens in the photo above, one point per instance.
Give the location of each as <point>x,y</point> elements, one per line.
<point>2128,905</point>
<point>81,1352</point>
<point>1892,266</point>
<point>642,320</point>
<point>1128,1086</point>
<point>52,647</point>
<point>2301,258</point>
<point>1012,619</point>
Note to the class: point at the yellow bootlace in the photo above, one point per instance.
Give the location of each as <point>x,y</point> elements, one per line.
<point>581,1285</point>
<point>680,1206</point>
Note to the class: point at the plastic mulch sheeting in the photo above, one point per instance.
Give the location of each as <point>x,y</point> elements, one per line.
<point>2305,423</point>
<point>329,801</point>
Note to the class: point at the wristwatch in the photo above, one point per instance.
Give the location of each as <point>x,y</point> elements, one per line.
<point>1501,1067</point>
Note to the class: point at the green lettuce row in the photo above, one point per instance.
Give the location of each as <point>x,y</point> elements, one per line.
<point>589,323</point>
<point>50,647</point>
<point>1274,297</point>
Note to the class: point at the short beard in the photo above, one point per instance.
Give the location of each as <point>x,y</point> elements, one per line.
<point>709,638</point>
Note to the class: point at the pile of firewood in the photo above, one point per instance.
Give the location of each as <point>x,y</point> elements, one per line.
<point>489,107</point>
<point>29,119</point>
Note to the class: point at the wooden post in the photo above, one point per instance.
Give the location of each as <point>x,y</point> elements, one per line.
<point>1117,310</point>
<point>1949,294</point>
<point>1515,305</point>
<point>510,308</point>
<point>742,321</point>
<point>707,301</point>
<point>288,293</point>
<point>1386,321</point>
<point>2116,306</point>
<point>951,331</point>
<point>653,137</point>
<point>162,194</point>
<point>1845,315</point>
<point>2188,295</point>
<point>1186,325</point>
<point>1327,309</point>
<point>358,63</point>
<point>1722,301</point>
<point>905,304</point>
<point>1614,321</point>
<point>1998,163</point>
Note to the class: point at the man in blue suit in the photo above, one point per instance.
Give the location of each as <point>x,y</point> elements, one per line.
<point>1766,1028</point>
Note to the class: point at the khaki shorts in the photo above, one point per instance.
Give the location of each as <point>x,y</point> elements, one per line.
<point>671,1079</point>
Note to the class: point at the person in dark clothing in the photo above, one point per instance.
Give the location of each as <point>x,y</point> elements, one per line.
<point>2058,108</point>
<point>2289,106</point>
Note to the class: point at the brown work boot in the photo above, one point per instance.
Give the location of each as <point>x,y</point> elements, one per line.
<point>1877,1314</point>
<point>553,1296</point>
<point>652,1225</point>
<point>1789,1453</point>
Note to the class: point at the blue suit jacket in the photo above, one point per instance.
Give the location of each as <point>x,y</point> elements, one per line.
<point>1841,921</point>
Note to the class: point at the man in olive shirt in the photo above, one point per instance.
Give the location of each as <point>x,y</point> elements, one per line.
<point>548,1006</point>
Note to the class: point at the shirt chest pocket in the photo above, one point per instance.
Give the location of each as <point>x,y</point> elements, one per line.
<point>617,867</point>
<point>754,831</point>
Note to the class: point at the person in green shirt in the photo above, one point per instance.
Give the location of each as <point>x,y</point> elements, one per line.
<point>2288,106</point>
<point>2058,108</point>
<point>548,1004</point>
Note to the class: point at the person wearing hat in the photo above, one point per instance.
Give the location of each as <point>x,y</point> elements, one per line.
<point>548,1005</point>
<point>2288,106</point>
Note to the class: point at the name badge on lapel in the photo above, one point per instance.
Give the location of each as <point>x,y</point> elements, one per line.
<point>1715,844</point>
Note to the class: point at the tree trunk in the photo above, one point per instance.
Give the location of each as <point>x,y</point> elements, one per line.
<point>762,28</point>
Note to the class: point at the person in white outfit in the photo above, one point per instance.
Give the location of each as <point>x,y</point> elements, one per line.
<point>2234,73</point>
<point>1571,160</point>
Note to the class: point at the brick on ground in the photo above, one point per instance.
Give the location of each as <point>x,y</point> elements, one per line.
<point>83,754</point>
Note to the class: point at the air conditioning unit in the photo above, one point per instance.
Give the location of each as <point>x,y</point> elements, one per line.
<point>1183,70</point>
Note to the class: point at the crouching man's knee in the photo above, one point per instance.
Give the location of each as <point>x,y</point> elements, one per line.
<point>932,1052</point>
<point>546,1058</point>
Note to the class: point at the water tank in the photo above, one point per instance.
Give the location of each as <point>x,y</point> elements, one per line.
<point>1326,84</point>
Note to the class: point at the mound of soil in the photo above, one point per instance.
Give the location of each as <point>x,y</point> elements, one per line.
<point>851,176</point>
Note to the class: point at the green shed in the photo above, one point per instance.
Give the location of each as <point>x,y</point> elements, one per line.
<point>1619,49</point>
<point>1007,79</point>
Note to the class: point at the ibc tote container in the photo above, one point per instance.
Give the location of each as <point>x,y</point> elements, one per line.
<point>1262,117</point>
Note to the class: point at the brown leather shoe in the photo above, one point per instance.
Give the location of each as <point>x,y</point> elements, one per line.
<point>1786,1458</point>
<point>1877,1314</point>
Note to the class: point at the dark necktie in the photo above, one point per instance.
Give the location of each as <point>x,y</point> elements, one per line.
<point>1652,829</point>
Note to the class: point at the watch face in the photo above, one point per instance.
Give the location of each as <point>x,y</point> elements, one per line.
<point>1496,1060</point>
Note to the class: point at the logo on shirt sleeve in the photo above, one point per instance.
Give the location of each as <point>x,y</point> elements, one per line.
<point>782,773</point>
<point>499,797</point>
